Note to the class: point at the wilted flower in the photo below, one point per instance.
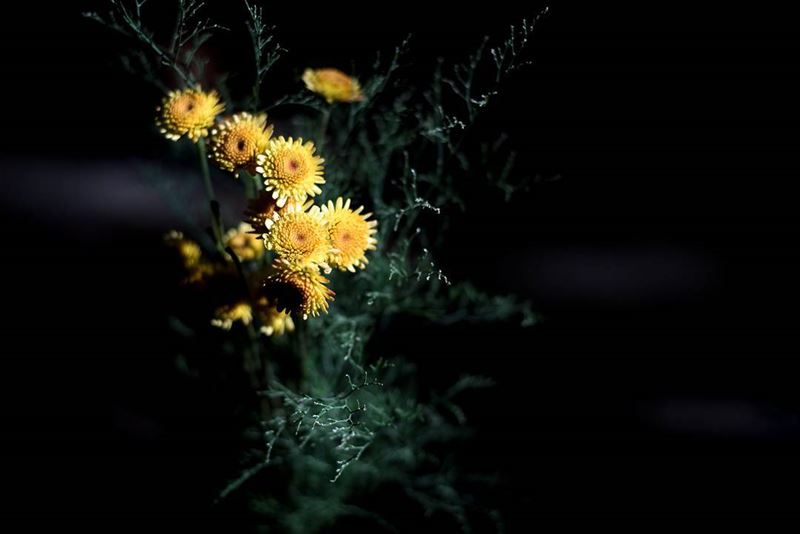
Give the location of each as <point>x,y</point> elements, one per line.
<point>259,210</point>
<point>298,289</point>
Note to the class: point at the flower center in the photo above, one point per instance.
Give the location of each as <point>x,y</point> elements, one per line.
<point>186,105</point>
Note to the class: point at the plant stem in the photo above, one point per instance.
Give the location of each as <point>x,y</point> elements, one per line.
<point>255,364</point>
<point>251,183</point>
<point>216,221</point>
<point>301,334</point>
<point>248,184</point>
<point>323,127</point>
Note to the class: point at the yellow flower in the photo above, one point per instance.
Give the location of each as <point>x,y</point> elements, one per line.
<point>298,236</point>
<point>298,289</point>
<point>237,139</point>
<point>225,316</point>
<point>189,112</point>
<point>291,170</point>
<point>189,258</point>
<point>244,243</point>
<point>259,210</point>
<point>334,85</point>
<point>275,322</point>
<point>351,234</point>
<point>200,273</point>
<point>188,251</point>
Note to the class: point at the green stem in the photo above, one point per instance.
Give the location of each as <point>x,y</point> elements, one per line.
<point>255,364</point>
<point>301,334</point>
<point>323,128</point>
<point>258,183</point>
<point>251,183</point>
<point>248,184</point>
<point>216,221</point>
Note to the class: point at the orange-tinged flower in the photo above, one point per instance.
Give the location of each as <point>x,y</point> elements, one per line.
<point>351,234</point>
<point>334,85</point>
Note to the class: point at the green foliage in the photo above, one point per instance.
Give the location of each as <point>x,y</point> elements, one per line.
<point>335,419</point>
<point>179,55</point>
<point>266,50</point>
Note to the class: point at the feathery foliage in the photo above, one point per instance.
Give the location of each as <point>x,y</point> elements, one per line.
<point>330,419</point>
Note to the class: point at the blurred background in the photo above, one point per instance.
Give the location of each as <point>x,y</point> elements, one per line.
<point>658,244</point>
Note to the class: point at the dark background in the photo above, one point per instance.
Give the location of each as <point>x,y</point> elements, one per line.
<point>661,382</point>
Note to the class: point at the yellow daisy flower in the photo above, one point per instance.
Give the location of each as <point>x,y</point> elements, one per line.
<point>189,258</point>
<point>225,316</point>
<point>189,112</point>
<point>299,236</point>
<point>259,210</point>
<point>200,273</point>
<point>298,289</point>
<point>237,139</point>
<point>291,170</point>
<point>244,243</point>
<point>351,234</point>
<point>188,251</point>
<point>334,85</point>
<point>275,322</point>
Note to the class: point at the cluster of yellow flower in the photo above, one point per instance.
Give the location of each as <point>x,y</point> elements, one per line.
<point>307,240</point>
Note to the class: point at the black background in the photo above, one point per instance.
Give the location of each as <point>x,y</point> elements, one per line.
<point>661,382</point>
